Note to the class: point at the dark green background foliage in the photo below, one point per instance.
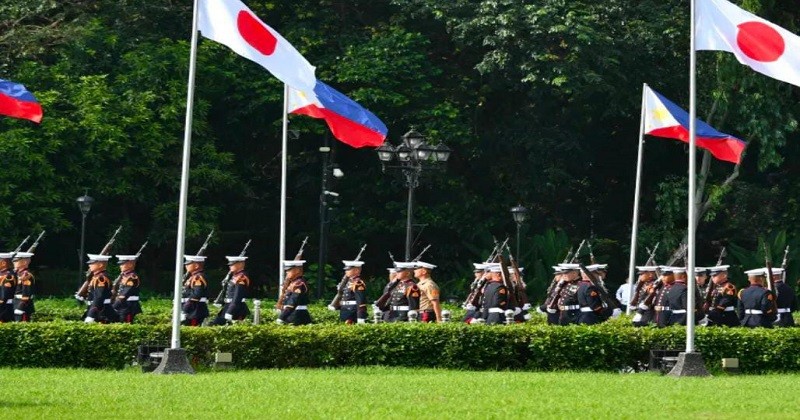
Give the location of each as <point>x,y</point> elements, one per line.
<point>607,347</point>
<point>539,100</point>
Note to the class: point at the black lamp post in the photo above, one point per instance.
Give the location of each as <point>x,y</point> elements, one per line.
<point>519,213</point>
<point>84,204</point>
<point>328,169</point>
<point>411,156</point>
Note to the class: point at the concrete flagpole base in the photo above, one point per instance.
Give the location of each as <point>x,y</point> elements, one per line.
<point>174,361</point>
<point>689,364</point>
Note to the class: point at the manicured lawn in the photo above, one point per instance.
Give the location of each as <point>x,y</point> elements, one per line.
<point>391,393</point>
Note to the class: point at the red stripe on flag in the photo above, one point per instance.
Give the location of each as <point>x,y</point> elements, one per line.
<point>20,109</point>
<point>344,129</point>
<point>728,149</point>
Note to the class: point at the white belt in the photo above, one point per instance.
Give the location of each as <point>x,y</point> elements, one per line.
<point>753,311</point>
<point>107,301</point>
<point>10,302</point>
<point>229,300</point>
<point>496,310</point>
<point>301,308</point>
<point>644,307</point>
<point>569,307</point>
<point>399,308</point>
<point>203,300</point>
<point>662,308</point>
<point>132,298</point>
<point>679,311</point>
<point>348,302</point>
<point>586,309</point>
<point>551,311</point>
<point>784,310</point>
<point>729,309</point>
<point>18,296</point>
<point>184,300</point>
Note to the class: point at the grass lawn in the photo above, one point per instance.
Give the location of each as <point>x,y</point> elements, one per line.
<point>391,393</point>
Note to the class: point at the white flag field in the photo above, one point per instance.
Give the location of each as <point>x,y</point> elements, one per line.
<point>232,23</point>
<point>757,43</point>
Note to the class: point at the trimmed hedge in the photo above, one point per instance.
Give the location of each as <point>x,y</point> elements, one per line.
<point>608,347</point>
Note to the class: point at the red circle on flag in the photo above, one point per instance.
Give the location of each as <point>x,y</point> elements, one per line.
<point>760,41</point>
<point>255,33</point>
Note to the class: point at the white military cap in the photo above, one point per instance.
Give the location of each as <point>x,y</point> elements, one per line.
<point>194,259</point>
<point>700,270</point>
<point>596,267</point>
<point>6,255</point>
<point>647,268</point>
<point>558,269</point>
<point>495,267</point>
<point>423,264</point>
<point>233,259</point>
<point>352,264</point>
<point>775,270</point>
<point>289,264</point>
<point>405,265</point>
<point>94,258</point>
<point>479,266</point>
<point>125,258</point>
<point>569,267</point>
<point>756,272</point>
<point>22,255</point>
<point>677,269</point>
<point>718,269</point>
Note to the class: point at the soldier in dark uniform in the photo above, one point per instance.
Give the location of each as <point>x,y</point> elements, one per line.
<point>474,312</point>
<point>644,286</point>
<point>757,304</point>
<point>23,297</point>
<point>235,307</point>
<point>495,295</point>
<point>592,310</point>
<point>701,280</point>
<point>550,305</point>
<point>405,296</point>
<point>100,309</point>
<point>127,301</point>
<point>8,286</point>
<point>353,306</point>
<point>676,298</point>
<point>195,308</point>
<point>295,304</point>
<point>661,305</point>
<point>721,311</point>
<point>568,306</point>
<point>390,285</point>
<point>786,300</point>
<point>523,314</point>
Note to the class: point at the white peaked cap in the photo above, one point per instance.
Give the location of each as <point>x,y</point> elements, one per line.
<point>756,272</point>
<point>352,264</point>
<point>405,265</point>
<point>125,258</point>
<point>6,255</point>
<point>98,258</point>
<point>21,255</point>
<point>287,264</point>
<point>194,258</point>
<point>235,258</point>
<point>423,264</point>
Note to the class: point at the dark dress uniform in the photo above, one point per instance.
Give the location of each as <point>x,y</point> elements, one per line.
<point>756,307</point>
<point>404,298</point>
<point>8,285</point>
<point>644,313</point>
<point>295,304</point>
<point>676,301</point>
<point>786,302</point>
<point>495,303</point>
<point>552,295</point>
<point>723,304</point>
<point>354,301</point>
<point>568,306</point>
<point>235,308</point>
<point>100,309</point>
<point>661,309</point>
<point>23,298</point>
<point>591,305</point>
<point>195,309</point>
<point>127,303</point>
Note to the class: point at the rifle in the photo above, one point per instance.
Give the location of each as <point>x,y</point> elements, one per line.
<point>35,243</point>
<point>508,283</point>
<point>784,263</point>
<point>187,287</point>
<point>118,280</point>
<point>473,297</point>
<point>221,296</point>
<point>521,287</point>
<point>578,251</point>
<point>768,262</point>
<point>652,258</point>
<point>568,257</point>
<point>286,282</point>
<point>421,253</point>
<point>83,291</point>
<point>603,292</point>
<point>708,298</point>
<point>722,254</point>
<point>591,253</point>
<point>335,303</point>
<point>21,244</point>
<point>383,300</point>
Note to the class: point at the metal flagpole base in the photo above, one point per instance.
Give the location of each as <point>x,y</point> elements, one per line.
<point>174,361</point>
<point>689,364</point>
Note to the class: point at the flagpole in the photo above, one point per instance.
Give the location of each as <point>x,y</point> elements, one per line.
<point>284,164</point>
<point>635,222</point>
<point>690,252</point>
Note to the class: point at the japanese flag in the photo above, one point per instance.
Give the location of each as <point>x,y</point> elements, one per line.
<point>757,43</point>
<point>233,24</point>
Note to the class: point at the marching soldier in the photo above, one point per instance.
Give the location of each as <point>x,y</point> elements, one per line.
<point>354,298</point>
<point>785,300</point>
<point>405,296</point>
<point>8,283</point>
<point>429,307</point>
<point>23,298</point>
<point>756,303</point>
<point>701,280</point>
<point>568,306</point>
<point>495,296</point>
<point>295,304</point>
<point>645,285</point>
<point>592,309</point>
<point>550,305</point>
<point>676,296</point>
<point>474,312</point>
<point>195,308</point>
<point>386,289</point>
<point>661,308</point>
<point>127,301</point>
<point>723,299</point>
<point>235,307</point>
<point>100,309</point>
<point>523,314</point>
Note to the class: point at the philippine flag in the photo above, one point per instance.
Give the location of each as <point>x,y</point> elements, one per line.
<point>232,23</point>
<point>350,122</point>
<point>662,118</point>
<point>757,43</point>
<point>17,102</point>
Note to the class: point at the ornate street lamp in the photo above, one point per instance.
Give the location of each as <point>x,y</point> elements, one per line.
<point>519,213</point>
<point>85,205</point>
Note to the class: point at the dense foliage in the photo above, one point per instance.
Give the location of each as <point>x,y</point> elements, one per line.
<point>539,100</point>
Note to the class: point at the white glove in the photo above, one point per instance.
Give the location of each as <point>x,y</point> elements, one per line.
<point>229,317</point>
<point>375,308</point>
<point>80,298</point>
<point>526,307</point>
<point>183,316</point>
<point>471,307</point>
<point>88,320</point>
<point>617,312</point>
<point>331,308</point>
<point>643,307</point>
<point>527,317</point>
<point>362,321</point>
<point>279,321</point>
<point>517,311</point>
<point>551,311</point>
<point>218,305</point>
<point>18,312</point>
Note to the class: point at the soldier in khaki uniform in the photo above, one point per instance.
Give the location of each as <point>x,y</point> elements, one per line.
<point>429,305</point>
